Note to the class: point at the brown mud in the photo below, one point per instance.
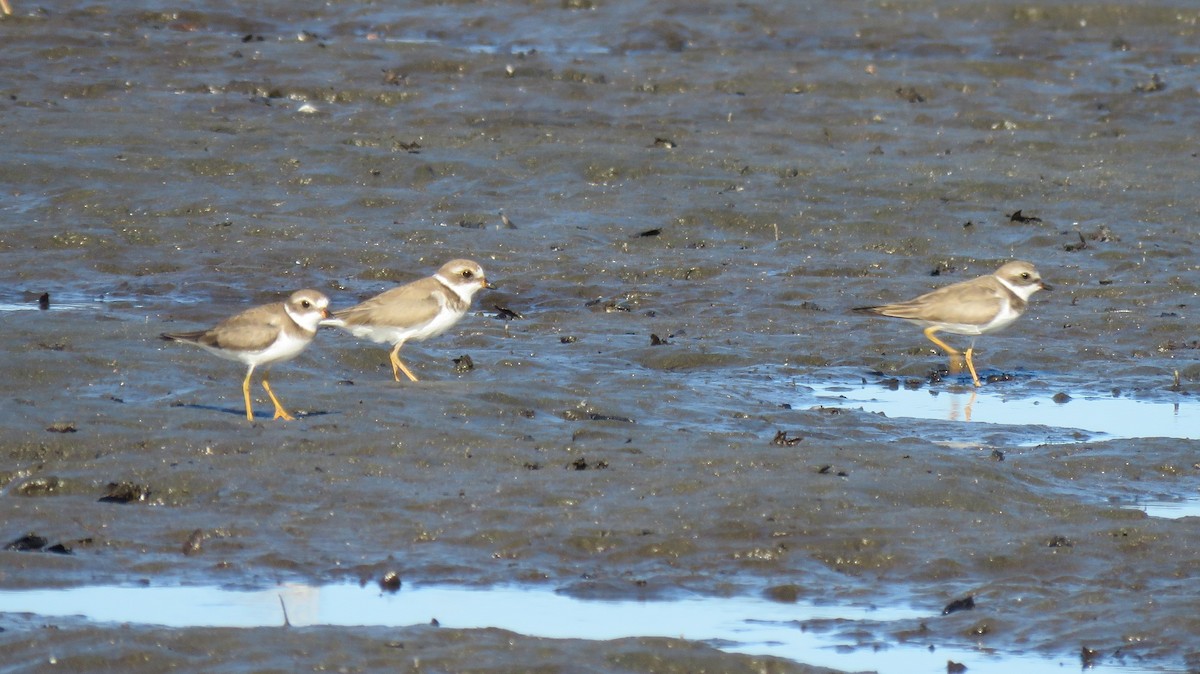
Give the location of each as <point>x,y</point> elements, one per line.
<point>695,194</point>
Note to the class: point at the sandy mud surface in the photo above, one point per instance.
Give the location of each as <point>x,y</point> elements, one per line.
<point>698,194</point>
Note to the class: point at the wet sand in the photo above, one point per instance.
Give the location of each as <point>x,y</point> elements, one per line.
<point>731,179</point>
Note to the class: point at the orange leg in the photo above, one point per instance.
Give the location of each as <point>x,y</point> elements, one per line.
<point>956,363</point>
<point>971,366</point>
<point>397,366</point>
<point>246,394</point>
<point>280,413</point>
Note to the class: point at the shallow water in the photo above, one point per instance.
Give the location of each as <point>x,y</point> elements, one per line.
<point>1088,417</point>
<point>820,635</point>
<point>730,178</point>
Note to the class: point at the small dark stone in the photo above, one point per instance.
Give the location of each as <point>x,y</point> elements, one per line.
<point>1104,235</point>
<point>608,417</point>
<point>1019,217</point>
<point>1156,83</point>
<point>1072,247</point>
<point>784,594</point>
<point>505,314</point>
<point>953,667</point>
<point>665,143</point>
<point>1059,542</point>
<point>27,542</point>
<point>655,340</point>
<point>568,339</point>
<point>1061,398</point>
<point>964,604</point>
<point>910,94</point>
<point>651,232</point>
<point>58,549</point>
<point>194,542</point>
<point>582,464</point>
<point>125,492</point>
<point>394,77</point>
<point>62,427</point>
<point>1088,657</point>
<point>390,582</point>
<point>781,439</point>
<point>435,622</point>
<point>463,364</point>
<point>40,486</point>
<point>44,301</point>
<point>997,455</point>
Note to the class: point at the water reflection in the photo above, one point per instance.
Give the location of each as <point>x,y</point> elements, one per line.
<point>1169,509</point>
<point>1095,417</point>
<point>748,625</point>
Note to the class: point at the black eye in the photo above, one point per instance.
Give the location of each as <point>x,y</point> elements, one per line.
<point>305,303</point>
<point>467,273</point>
<point>1025,275</point>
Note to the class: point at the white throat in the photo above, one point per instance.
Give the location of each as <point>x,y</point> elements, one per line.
<point>465,291</point>
<point>309,320</point>
<point>1020,291</point>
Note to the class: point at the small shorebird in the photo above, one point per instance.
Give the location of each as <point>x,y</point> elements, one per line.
<point>417,311</point>
<point>975,307</point>
<point>264,335</point>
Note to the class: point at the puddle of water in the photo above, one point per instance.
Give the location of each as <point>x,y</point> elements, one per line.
<point>1098,417</point>
<point>742,625</point>
<point>33,306</point>
<point>71,301</point>
<point>1185,507</point>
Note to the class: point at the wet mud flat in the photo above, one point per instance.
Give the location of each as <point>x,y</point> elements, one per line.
<point>699,194</point>
<point>365,649</point>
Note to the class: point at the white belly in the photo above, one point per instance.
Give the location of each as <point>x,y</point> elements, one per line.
<point>443,321</point>
<point>284,348</point>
